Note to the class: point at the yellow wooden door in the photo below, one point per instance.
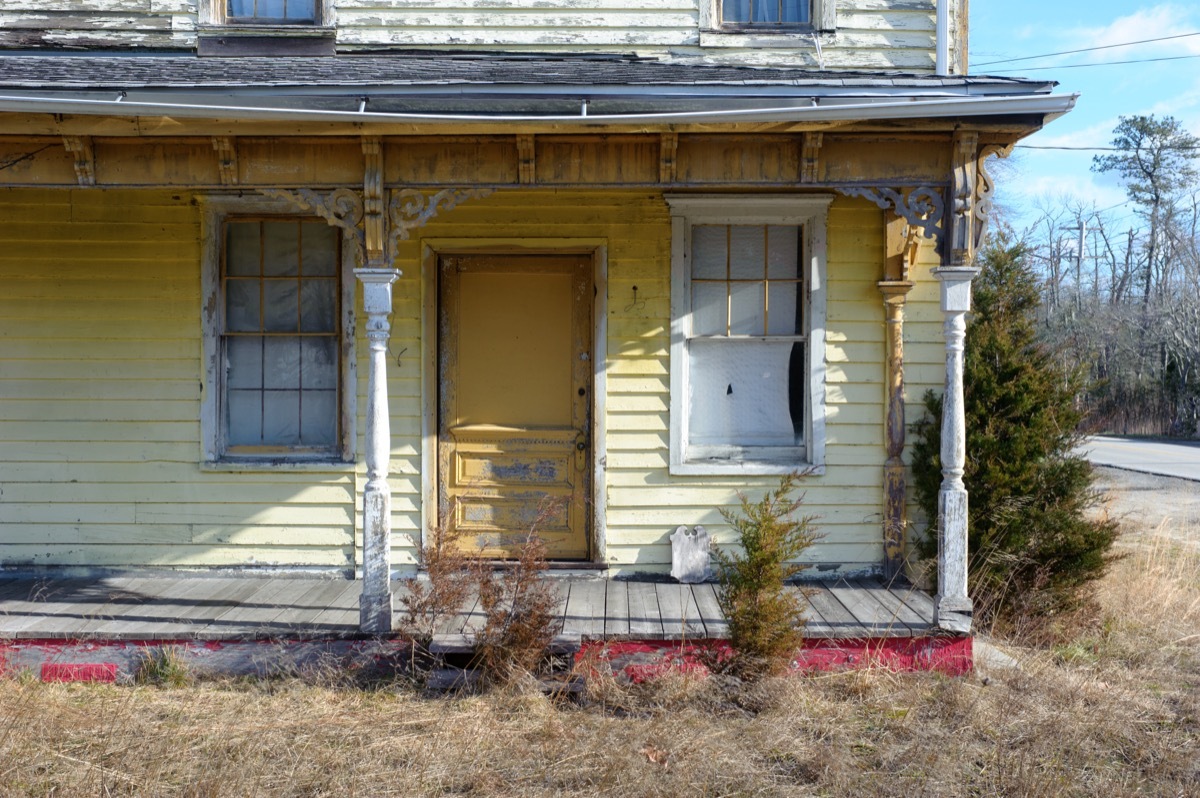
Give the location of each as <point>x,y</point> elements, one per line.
<point>514,411</point>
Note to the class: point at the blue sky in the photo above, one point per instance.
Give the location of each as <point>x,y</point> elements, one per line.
<point>1005,29</point>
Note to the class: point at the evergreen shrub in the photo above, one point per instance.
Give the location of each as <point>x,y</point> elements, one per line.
<point>1032,543</point>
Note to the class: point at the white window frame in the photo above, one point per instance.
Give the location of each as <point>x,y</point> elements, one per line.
<point>808,211</point>
<point>715,32</point>
<point>214,13</point>
<point>215,211</point>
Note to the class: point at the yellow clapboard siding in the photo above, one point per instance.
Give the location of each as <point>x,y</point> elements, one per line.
<point>177,534</point>
<point>165,473</point>
<point>173,556</point>
<point>84,431</point>
<point>182,492</point>
<point>849,554</point>
<point>56,409</point>
<point>845,476</point>
<point>97,389</point>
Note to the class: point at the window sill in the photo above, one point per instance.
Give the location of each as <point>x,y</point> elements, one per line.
<point>754,39</point>
<point>732,468</point>
<point>251,40</point>
<point>279,464</point>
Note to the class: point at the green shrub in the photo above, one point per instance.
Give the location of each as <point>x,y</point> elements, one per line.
<point>765,618</point>
<point>1032,545</point>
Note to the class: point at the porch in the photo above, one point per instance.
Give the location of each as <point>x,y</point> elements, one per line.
<point>239,609</point>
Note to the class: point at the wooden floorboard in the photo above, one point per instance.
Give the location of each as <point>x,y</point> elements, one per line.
<point>585,609</point>
<point>214,608</point>
<point>680,616</point>
<point>616,608</point>
<point>645,621</point>
<point>715,626</point>
<point>866,609</point>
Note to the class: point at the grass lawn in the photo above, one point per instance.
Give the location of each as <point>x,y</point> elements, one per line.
<point>1105,703</point>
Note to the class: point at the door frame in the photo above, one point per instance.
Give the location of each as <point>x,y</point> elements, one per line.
<point>432,249</point>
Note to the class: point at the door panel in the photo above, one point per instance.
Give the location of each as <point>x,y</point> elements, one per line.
<point>515,379</point>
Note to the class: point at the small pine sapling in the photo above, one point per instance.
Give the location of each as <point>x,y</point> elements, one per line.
<point>766,620</point>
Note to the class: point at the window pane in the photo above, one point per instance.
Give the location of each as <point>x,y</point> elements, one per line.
<point>735,10</point>
<point>318,306</point>
<point>281,418</point>
<point>281,249</point>
<point>242,249</point>
<point>318,418</point>
<point>747,314</point>
<point>319,245</point>
<point>748,252</point>
<point>242,306</point>
<point>241,8</point>
<point>281,362</point>
<point>783,252</point>
<point>766,11</point>
<point>280,310</point>
<point>710,305</point>
<point>318,363</point>
<point>300,9</point>
<point>244,422</point>
<point>709,251</point>
<point>740,394</point>
<point>783,309</point>
<point>244,354</point>
<point>795,10</point>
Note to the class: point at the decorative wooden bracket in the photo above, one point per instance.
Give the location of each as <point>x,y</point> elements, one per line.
<point>922,207</point>
<point>985,188</point>
<point>85,158</point>
<point>526,161</point>
<point>374,217</point>
<point>810,163</point>
<point>409,208</point>
<point>342,208</point>
<point>226,149</point>
<point>964,178</point>
<point>406,210</point>
<point>668,147</point>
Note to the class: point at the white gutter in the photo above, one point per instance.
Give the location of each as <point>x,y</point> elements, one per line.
<point>1050,105</point>
<point>943,37</point>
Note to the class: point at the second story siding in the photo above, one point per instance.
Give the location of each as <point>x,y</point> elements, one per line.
<point>867,34</point>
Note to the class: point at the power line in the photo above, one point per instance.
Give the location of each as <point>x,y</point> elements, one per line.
<point>1112,63</point>
<point>1087,49</point>
<point>1099,149</point>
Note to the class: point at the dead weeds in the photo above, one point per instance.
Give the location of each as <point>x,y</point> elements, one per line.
<point>1113,709</point>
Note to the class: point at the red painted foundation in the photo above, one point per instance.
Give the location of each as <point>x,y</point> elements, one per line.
<point>642,660</point>
<point>79,672</point>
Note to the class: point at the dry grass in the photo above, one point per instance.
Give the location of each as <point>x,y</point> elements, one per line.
<point>1112,709</point>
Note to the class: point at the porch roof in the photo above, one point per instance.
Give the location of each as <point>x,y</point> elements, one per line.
<point>424,87</point>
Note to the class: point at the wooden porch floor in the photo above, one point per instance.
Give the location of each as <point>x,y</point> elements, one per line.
<point>255,608</point>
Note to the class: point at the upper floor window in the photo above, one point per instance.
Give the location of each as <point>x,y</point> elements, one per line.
<point>765,13</point>
<point>273,12</point>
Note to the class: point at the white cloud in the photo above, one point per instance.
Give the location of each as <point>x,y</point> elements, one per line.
<point>1156,22</point>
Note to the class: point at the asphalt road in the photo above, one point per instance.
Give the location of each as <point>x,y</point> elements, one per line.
<point>1167,459</point>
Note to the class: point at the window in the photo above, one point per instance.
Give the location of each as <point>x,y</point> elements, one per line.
<point>271,12</point>
<point>747,354</point>
<point>277,383</point>
<point>764,23</point>
<point>764,13</point>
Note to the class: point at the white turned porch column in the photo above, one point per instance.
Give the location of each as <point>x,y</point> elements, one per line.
<point>375,606</point>
<point>953,605</point>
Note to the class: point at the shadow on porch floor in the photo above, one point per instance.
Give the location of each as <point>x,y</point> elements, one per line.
<point>258,608</point>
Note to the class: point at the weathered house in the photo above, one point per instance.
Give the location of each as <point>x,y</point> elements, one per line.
<point>281,278</point>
